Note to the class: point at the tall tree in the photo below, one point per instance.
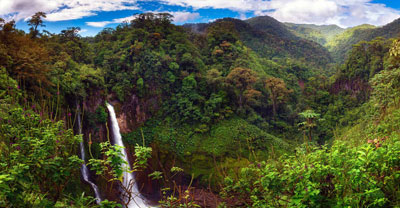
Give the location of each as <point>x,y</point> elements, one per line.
<point>310,121</point>
<point>35,22</point>
<point>278,91</point>
<point>24,59</point>
<point>242,79</point>
<point>70,34</point>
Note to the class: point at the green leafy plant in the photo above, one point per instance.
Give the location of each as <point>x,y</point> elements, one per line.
<point>310,122</point>
<point>36,156</point>
<point>342,175</point>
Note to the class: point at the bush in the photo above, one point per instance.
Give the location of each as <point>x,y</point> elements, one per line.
<point>35,156</point>
<point>342,176</point>
<point>101,115</point>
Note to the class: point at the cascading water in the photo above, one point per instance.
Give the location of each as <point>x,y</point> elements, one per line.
<point>128,177</point>
<point>84,168</point>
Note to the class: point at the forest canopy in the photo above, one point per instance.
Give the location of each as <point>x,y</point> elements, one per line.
<point>231,113</point>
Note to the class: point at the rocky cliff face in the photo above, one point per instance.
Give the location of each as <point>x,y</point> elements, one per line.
<point>135,111</point>
<point>131,114</point>
<point>97,132</point>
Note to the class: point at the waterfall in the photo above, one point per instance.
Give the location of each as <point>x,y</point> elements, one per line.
<point>84,168</point>
<point>128,177</point>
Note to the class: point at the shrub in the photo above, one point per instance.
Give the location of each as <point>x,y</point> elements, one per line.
<point>342,176</point>
<point>35,156</point>
<point>101,115</point>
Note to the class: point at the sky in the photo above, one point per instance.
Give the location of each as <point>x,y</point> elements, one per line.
<point>94,15</point>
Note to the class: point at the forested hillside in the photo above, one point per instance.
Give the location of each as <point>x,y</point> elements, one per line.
<point>342,44</point>
<point>321,34</point>
<point>230,113</point>
<point>272,40</point>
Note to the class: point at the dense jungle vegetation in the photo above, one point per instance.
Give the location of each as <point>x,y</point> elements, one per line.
<point>232,113</point>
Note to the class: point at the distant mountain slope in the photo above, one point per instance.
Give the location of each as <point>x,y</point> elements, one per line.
<point>321,34</point>
<point>273,39</point>
<point>342,44</point>
<point>391,30</point>
<point>271,26</point>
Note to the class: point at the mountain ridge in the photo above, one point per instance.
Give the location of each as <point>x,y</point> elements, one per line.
<point>271,39</point>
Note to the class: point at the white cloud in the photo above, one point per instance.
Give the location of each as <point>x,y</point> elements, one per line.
<point>345,13</point>
<point>82,31</point>
<point>58,10</point>
<point>242,16</point>
<point>99,24</point>
<point>304,10</point>
<point>105,23</point>
<point>124,19</point>
<point>179,17</point>
<point>237,5</point>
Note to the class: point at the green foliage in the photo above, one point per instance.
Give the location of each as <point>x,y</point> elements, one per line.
<point>156,175</point>
<point>242,81</point>
<point>114,164</point>
<point>101,115</point>
<point>195,149</point>
<point>273,39</point>
<point>36,156</point>
<point>76,202</point>
<point>277,90</point>
<point>78,80</point>
<point>341,176</point>
<point>321,34</point>
<point>35,22</point>
<point>8,89</point>
<point>220,98</point>
<point>386,87</point>
<point>109,204</point>
<point>310,121</point>
<point>142,154</point>
<point>342,44</point>
<point>184,202</point>
<point>24,59</point>
<point>366,59</point>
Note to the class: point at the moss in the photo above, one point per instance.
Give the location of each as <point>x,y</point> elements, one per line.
<point>228,145</point>
<point>101,115</point>
<point>201,165</point>
<point>236,136</point>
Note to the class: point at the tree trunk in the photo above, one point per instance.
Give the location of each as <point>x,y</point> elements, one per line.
<point>273,108</point>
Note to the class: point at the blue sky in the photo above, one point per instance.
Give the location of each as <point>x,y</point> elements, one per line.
<point>93,15</point>
<point>390,3</point>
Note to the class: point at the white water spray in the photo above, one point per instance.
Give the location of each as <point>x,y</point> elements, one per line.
<point>137,200</point>
<point>84,168</point>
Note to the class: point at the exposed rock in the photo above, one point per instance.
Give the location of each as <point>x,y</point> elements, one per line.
<point>135,111</point>
<point>123,123</point>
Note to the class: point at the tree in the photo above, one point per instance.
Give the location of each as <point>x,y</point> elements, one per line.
<point>1,23</point>
<point>395,54</point>
<point>70,34</point>
<point>24,59</point>
<point>214,78</point>
<point>35,22</point>
<point>309,123</point>
<point>166,18</point>
<point>242,79</point>
<point>386,84</point>
<point>36,156</point>
<point>278,91</point>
